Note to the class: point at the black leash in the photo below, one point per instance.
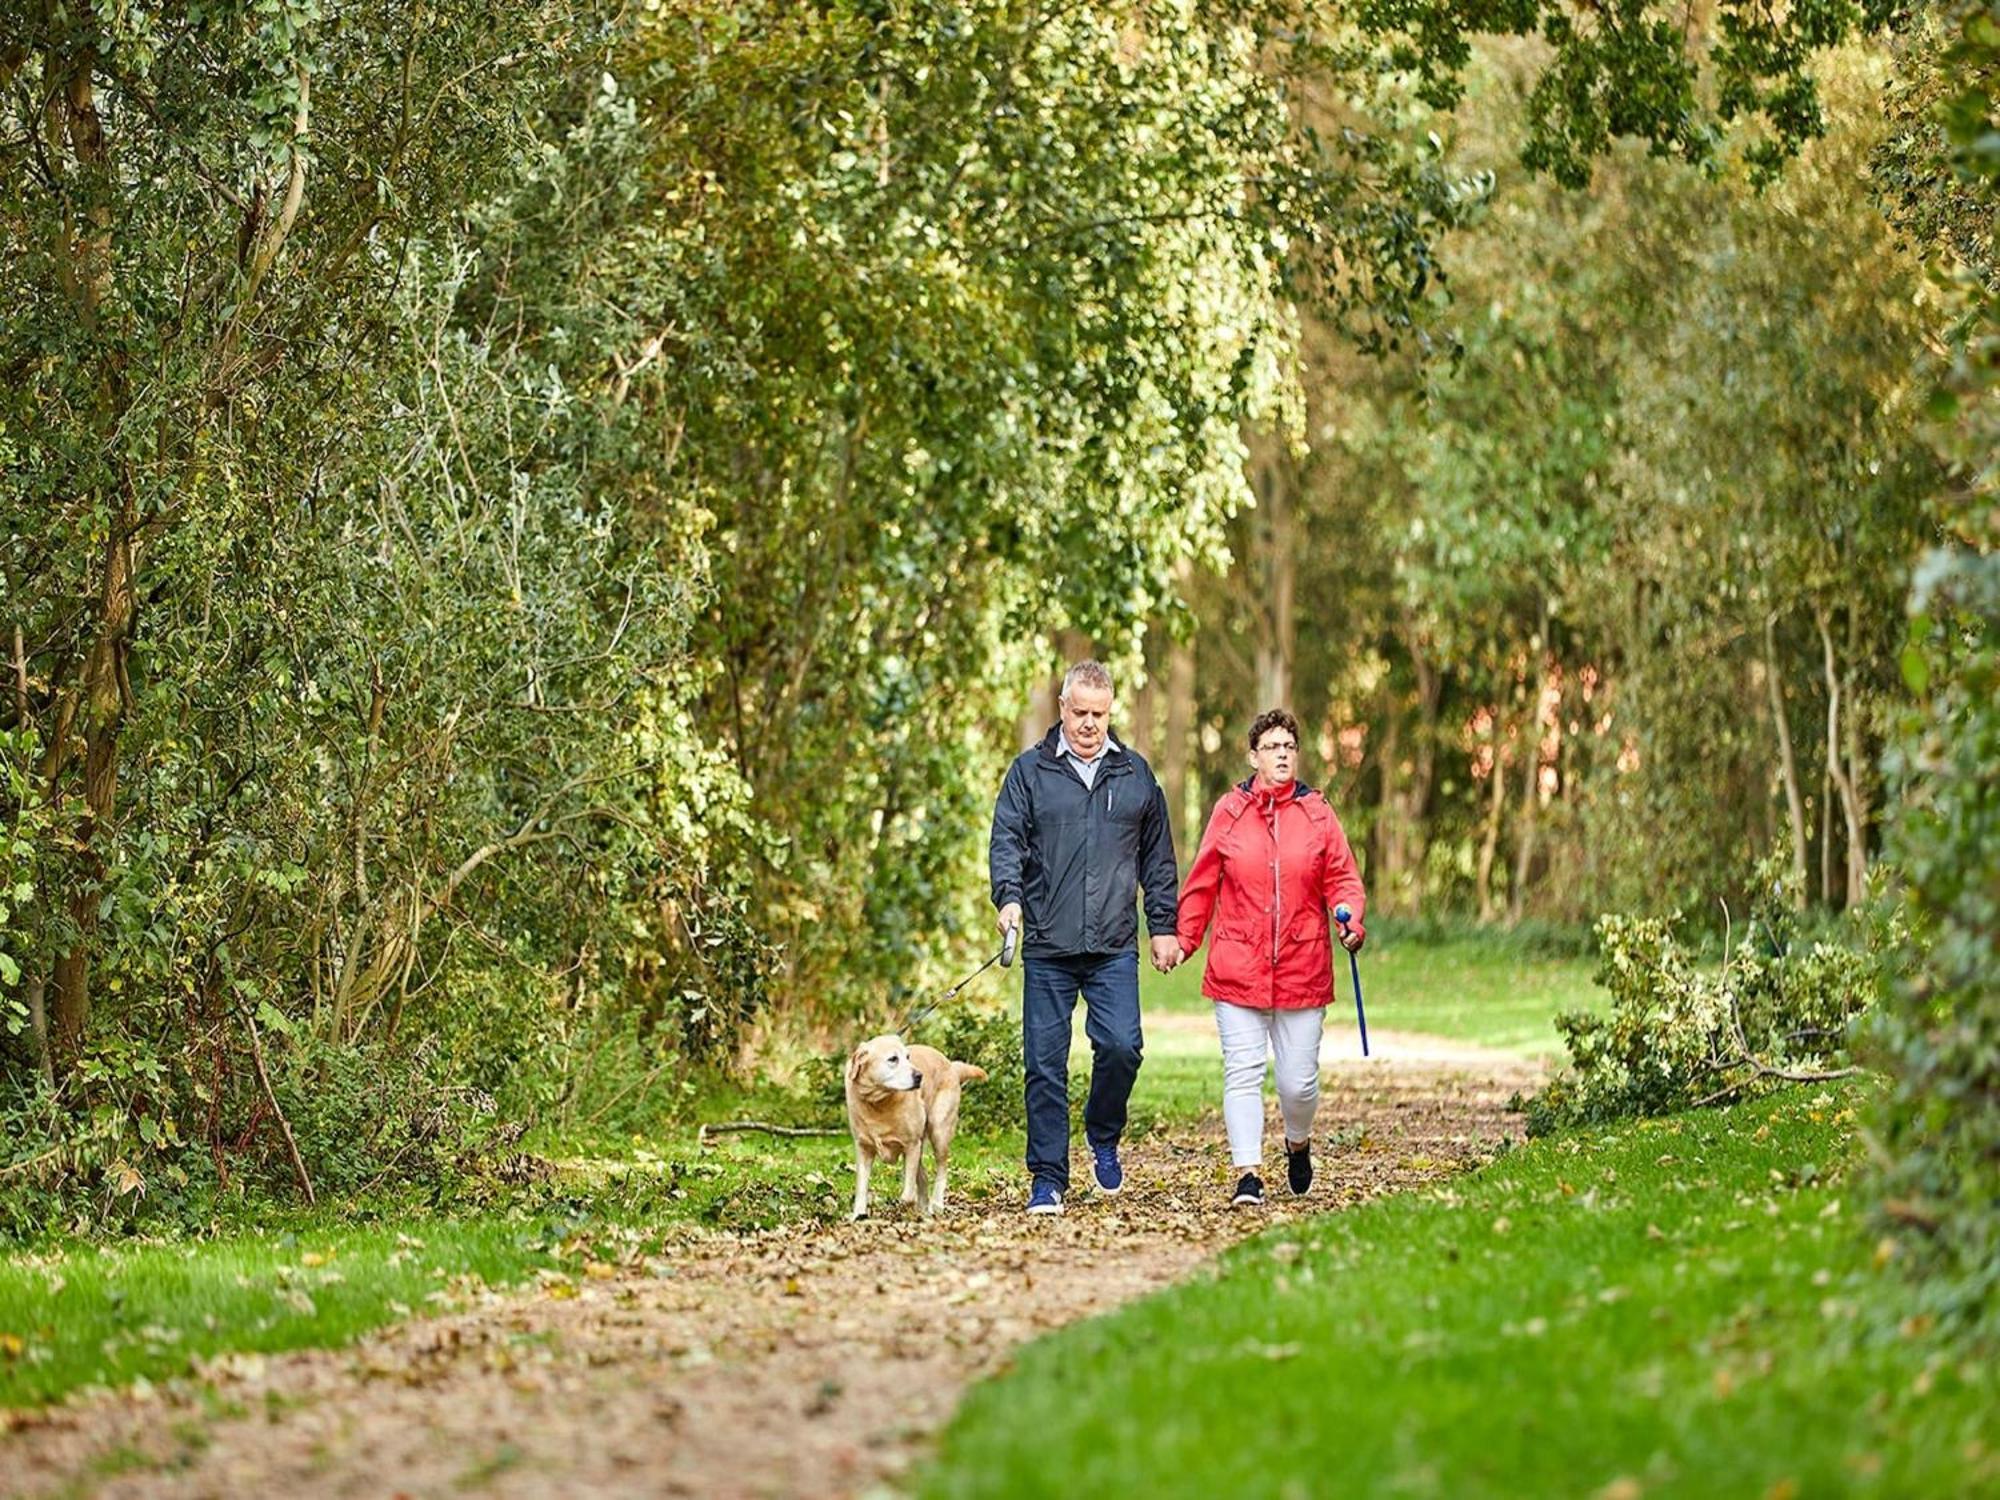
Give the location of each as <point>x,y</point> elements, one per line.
<point>1004,958</point>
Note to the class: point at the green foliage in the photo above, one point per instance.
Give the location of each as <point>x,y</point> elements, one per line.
<point>1630,70</point>
<point>1648,527</point>
<point>1939,1035</point>
<point>1678,1034</point>
<point>1940,1040</point>
<point>521,524</point>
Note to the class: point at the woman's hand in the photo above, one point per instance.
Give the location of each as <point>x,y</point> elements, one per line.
<point>1352,937</point>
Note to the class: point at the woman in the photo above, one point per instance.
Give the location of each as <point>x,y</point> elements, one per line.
<point>1273,864</point>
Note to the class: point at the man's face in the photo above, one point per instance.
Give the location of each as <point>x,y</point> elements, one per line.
<point>1086,718</point>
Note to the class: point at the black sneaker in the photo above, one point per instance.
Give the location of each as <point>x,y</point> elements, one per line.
<point>1299,1168</point>
<point>1249,1190</point>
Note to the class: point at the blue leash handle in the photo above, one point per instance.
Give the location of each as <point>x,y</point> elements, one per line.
<point>1343,916</point>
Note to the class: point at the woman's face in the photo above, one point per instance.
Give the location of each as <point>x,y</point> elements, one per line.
<point>1276,756</point>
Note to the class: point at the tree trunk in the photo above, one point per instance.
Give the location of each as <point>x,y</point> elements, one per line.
<point>1277,572</point>
<point>34,988</point>
<point>1179,734</point>
<point>1857,771</point>
<point>104,693</point>
<point>1389,836</point>
<point>1489,844</point>
<point>1531,775</point>
<point>1138,728</point>
<point>1417,787</point>
<point>95,704</point>
<point>1837,770</point>
<point>1788,764</point>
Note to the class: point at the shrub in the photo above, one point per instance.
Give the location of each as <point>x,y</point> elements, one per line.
<point>988,1039</point>
<point>992,1040</point>
<point>1679,1034</point>
<point>1939,1035</point>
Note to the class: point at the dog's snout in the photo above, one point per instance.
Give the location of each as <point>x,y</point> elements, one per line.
<point>916,1079</point>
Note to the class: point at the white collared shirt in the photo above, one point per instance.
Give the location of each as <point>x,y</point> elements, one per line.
<point>1087,769</point>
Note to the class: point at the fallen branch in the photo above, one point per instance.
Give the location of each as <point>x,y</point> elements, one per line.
<point>726,1127</point>
<point>1722,1093</point>
<point>36,1160</point>
<point>1744,1056</point>
<point>284,1125</point>
<point>1909,1211</point>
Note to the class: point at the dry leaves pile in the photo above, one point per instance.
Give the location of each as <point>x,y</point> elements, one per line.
<point>807,1360</point>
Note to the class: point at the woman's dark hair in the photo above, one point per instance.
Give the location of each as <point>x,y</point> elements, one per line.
<point>1270,719</point>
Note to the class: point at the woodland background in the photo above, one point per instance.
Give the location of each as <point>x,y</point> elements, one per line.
<point>529,532</point>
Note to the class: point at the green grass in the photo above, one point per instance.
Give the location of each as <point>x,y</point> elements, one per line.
<point>1681,1307</point>
<point>80,1314</point>
<point>1469,988</point>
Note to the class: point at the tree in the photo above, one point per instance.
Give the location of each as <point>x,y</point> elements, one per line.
<point>201,213</point>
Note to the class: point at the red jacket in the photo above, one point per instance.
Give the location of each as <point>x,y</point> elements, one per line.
<point>1270,871</point>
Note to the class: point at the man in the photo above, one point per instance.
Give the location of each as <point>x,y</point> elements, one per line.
<point>1079,826</point>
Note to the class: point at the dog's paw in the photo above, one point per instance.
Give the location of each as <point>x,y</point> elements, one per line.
<point>857,1216</point>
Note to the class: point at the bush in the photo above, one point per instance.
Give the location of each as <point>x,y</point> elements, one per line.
<point>1680,1035</point>
<point>1939,1034</point>
<point>987,1039</point>
<point>369,1119</point>
<point>992,1040</point>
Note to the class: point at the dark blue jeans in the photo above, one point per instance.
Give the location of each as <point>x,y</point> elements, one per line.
<point>1109,984</point>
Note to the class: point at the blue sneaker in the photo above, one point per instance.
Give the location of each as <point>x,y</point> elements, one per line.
<point>1104,1166</point>
<point>1045,1197</point>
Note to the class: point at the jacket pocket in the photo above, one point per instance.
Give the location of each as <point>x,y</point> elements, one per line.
<point>1307,928</point>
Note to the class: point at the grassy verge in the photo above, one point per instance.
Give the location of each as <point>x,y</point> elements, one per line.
<point>1679,1307</point>
<point>82,1314</point>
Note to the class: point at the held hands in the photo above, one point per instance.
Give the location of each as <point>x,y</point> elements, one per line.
<point>1167,953</point>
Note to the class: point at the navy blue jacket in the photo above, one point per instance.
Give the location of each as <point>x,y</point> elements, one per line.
<point>1074,857</point>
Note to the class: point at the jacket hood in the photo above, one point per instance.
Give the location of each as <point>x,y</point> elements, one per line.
<point>1246,790</point>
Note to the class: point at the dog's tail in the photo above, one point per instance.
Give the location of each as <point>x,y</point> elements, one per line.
<point>969,1072</point>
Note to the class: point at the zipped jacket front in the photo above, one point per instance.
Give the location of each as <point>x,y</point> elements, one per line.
<point>1075,857</point>
<point>1271,868</point>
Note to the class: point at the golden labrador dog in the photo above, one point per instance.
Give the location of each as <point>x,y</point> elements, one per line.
<point>897,1098</point>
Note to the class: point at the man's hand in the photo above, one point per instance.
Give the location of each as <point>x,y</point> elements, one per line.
<point>1352,937</point>
<point>1167,954</point>
<point>1010,916</point>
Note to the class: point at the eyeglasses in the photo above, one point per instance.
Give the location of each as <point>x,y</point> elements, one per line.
<point>1277,745</point>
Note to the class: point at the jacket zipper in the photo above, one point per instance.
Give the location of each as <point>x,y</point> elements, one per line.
<point>1277,896</point>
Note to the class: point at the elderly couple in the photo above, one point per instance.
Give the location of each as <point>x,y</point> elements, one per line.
<point>1080,825</point>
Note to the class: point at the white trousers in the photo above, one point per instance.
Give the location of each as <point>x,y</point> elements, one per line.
<point>1290,1039</point>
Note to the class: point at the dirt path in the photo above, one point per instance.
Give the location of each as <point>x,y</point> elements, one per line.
<point>808,1360</point>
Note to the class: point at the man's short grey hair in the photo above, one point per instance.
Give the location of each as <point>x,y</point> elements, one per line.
<point>1089,673</point>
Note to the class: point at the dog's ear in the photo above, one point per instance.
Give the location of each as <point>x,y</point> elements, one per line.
<point>857,1062</point>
